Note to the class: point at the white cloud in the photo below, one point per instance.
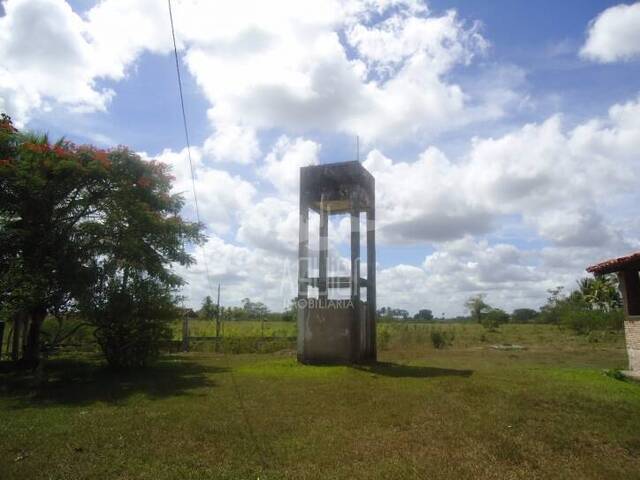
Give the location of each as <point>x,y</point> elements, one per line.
<point>423,200</point>
<point>291,68</point>
<point>301,79</point>
<point>44,56</point>
<point>465,267</point>
<point>222,197</point>
<point>614,35</point>
<point>232,143</point>
<point>282,165</point>
<point>242,272</point>
<point>50,55</point>
<point>271,225</point>
<point>564,183</point>
<point>569,188</point>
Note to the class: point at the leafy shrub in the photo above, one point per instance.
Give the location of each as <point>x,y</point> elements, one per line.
<point>523,315</point>
<point>132,321</point>
<point>441,338</point>
<point>494,318</point>
<point>382,338</point>
<point>584,320</point>
<point>615,374</point>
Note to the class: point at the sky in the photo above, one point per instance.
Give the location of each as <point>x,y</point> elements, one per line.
<point>503,135</point>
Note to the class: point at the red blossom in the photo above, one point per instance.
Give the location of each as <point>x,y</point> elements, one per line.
<point>103,158</point>
<point>60,151</point>
<point>144,182</point>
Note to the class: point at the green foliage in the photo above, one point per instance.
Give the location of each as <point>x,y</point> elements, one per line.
<point>254,309</point>
<point>523,315</point>
<point>424,315</point>
<point>209,310</point>
<point>616,374</point>
<point>291,313</point>
<point>477,307</point>
<point>549,313</point>
<point>593,307</point>
<point>131,320</point>
<point>601,293</point>
<point>441,338</point>
<point>383,335</point>
<point>494,318</point>
<point>388,314</point>
<point>585,320</point>
<point>74,219</point>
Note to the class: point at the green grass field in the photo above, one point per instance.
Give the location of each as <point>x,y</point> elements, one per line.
<point>468,411</point>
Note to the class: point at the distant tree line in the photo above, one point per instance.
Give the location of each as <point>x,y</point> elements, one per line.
<point>595,304</point>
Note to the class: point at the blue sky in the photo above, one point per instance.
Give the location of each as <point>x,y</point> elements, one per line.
<point>501,134</point>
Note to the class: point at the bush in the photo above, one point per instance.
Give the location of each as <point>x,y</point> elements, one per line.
<point>382,338</point>
<point>132,321</point>
<point>441,338</point>
<point>494,318</point>
<point>582,320</point>
<point>523,315</point>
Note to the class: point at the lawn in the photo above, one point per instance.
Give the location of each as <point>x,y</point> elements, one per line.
<point>468,411</point>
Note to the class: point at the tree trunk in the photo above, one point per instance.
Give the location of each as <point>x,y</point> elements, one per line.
<point>16,340</point>
<point>31,355</point>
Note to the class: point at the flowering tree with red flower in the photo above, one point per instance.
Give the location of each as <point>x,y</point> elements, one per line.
<point>81,228</point>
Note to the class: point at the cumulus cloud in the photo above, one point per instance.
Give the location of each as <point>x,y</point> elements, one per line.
<point>563,185</point>
<point>614,35</point>
<point>376,69</point>
<point>271,225</point>
<point>242,272</point>
<point>50,55</point>
<point>222,197</point>
<point>461,268</point>
<point>232,143</point>
<point>421,201</point>
<point>45,56</point>
<point>562,182</point>
<point>282,165</point>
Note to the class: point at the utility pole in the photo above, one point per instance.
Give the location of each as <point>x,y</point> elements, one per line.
<point>218,314</point>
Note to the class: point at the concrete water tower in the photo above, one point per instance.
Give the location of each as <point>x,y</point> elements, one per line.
<point>332,330</point>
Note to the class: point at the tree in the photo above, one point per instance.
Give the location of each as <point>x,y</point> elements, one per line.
<point>49,201</point>
<point>549,311</point>
<point>601,293</point>
<point>139,236</point>
<point>477,307</point>
<point>523,315</point>
<point>254,309</point>
<point>209,310</point>
<point>132,320</point>
<point>291,313</point>
<point>493,318</point>
<point>389,313</point>
<point>77,222</point>
<point>595,305</point>
<point>424,314</point>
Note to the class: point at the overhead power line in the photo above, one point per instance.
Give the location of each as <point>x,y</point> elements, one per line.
<point>243,410</point>
<point>186,136</point>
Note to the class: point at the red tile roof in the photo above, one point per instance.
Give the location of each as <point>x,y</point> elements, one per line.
<point>616,264</point>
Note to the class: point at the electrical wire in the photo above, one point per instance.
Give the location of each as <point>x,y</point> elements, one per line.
<point>251,430</point>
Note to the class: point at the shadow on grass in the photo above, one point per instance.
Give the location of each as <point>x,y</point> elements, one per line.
<point>81,382</point>
<point>388,369</point>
